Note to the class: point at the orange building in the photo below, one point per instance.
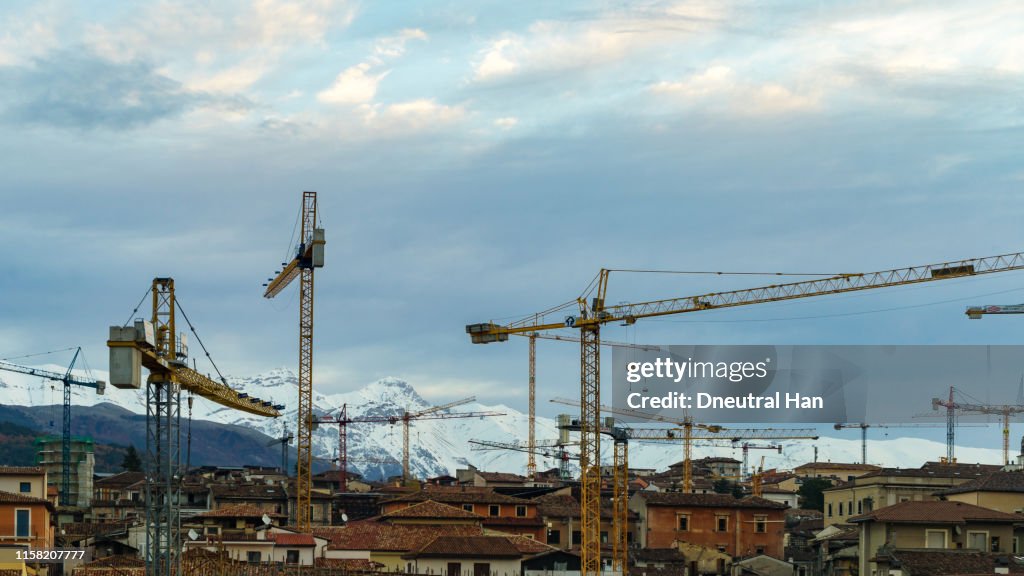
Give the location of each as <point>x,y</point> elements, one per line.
<point>25,520</point>
<point>739,527</point>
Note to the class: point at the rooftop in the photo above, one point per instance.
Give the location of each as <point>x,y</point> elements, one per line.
<point>239,511</point>
<point>708,500</point>
<point>937,512</point>
<point>994,482</point>
<point>952,562</point>
<point>433,510</point>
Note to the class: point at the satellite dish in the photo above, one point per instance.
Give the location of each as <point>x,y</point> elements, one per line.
<point>266,519</point>
<point>344,517</point>
<point>192,534</point>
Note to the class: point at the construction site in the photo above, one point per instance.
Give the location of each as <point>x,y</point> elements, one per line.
<point>665,288</point>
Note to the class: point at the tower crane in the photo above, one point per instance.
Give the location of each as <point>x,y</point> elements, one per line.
<point>309,255</point>
<point>747,447</point>
<point>864,433</point>
<point>595,313</point>
<point>342,420</point>
<point>692,432</point>
<point>156,346</point>
<point>1004,411</point>
<point>531,463</point>
<point>285,438</point>
<point>549,449</point>
<point>69,380</point>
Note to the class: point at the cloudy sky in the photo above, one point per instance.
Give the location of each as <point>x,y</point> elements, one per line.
<point>482,160</point>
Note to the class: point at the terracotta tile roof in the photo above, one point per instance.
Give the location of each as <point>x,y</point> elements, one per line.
<point>565,506</point>
<point>12,498</point>
<point>348,564</point>
<point>459,495</point>
<point>119,480</point>
<point>502,477</point>
<point>374,535</point>
<point>952,562</point>
<point>836,466</point>
<point>433,510</point>
<point>22,470</point>
<point>113,566</point>
<point>469,547</point>
<point>529,546</point>
<point>289,539</point>
<point>994,482</point>
<point>708,500</point>
<point>248,491</point>
<point>936,511</point>
<point>508,521</point>
<point>239,511</point>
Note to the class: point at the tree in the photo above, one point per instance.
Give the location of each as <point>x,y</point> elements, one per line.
<point>131,461</point>
<point>810,492</point>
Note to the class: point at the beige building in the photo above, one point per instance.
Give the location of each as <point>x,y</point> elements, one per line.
<point>50,455</point>
<point>1003,491</point>
<point>939,525</point>
<point>844,472</point>
<point>27,481</point>
<point>889,486</point>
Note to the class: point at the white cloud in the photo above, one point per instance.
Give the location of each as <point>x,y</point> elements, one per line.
<point>553,45</point>
<point>353,86</point>
<point>411,116</point>
<point>506,122</point>
<point>719,88</point>
<point>394,46</point>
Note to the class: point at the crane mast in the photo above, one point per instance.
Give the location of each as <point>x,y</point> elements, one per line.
<point>156,346</point>
<point>309,256</point>
<point>594,314</point>
<point>68,380</point>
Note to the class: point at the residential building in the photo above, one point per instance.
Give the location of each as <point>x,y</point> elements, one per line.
<point>933,524</point>
<point>1003,491</point>
<point>25,480</point>
<point>25,521</point>
<point>466,556</point>
<point>888,486</point>
<point>842,471</point>
<point>734,526</point>
<point>500,512</point>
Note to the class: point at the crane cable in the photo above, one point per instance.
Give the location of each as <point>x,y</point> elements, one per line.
<point>201,345</point>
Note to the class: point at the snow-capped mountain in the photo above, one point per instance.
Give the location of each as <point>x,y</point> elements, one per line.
<point>441,446</point>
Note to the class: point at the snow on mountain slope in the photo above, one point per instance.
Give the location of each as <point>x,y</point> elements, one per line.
<point>441,446</point>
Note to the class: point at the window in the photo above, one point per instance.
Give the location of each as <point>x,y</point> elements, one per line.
<point>721,523</point>
<point>994,544</point>
<point>253,557</point>
<point>1016,545</point>
<point>211,530</point>
<point>760,524</point>
<point>904,498</point>
<point>935,539</point>
<point>291,557</point>
<point>977,540</point>
<point>829,509</point>
<point>604,537</point>
<point>25,487</point>
<point>554,537</point>
<point>467,507</point>
<point>577,538</point>
<point>683,522</point>
<point>494,510</point>
<point>840,508</point>
<point>520,511</point>
<point>759,550</point>
<point>721,548</point>
<point>22,522</point>
<point>481,569</point>
<point>454,569</point>
<point>860,506</point>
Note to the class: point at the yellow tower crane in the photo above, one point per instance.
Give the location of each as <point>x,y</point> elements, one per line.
<point>595,313</point>
<point>531,461</point>
<point>309,255</point>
